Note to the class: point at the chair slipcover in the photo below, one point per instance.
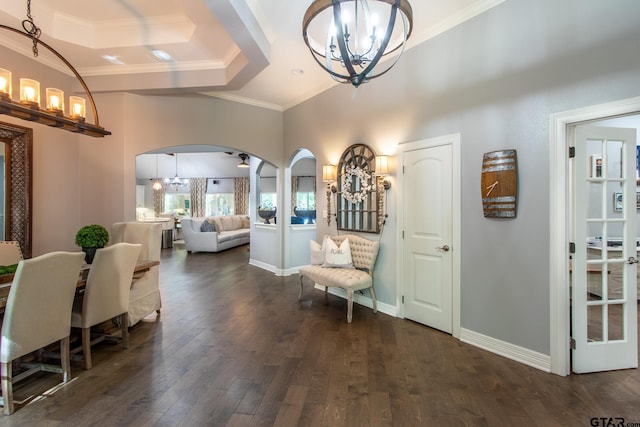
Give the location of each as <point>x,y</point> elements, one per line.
<point>144,297</point>
<point>106,294</point>
<point>38,312</point>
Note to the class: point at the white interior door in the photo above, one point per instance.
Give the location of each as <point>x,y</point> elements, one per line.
<point>428,236</point>
<point>603,266</point>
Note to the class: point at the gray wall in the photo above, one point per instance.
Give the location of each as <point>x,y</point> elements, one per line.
<point>495,80</point>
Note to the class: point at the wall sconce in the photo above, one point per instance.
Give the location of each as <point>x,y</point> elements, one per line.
<point>329,175</point>
<point>382,170</point>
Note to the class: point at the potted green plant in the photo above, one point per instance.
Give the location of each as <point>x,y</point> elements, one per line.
<point>90,238</point>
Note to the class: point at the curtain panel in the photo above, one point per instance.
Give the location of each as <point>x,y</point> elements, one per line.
<point>241,195</point>
<point>158,199</point>
<point>198,196</point>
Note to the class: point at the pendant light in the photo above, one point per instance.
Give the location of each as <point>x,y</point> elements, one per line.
<point>176,182</point>
<point>349,37</point>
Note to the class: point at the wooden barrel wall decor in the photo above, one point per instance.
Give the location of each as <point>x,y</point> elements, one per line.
<point>499,184</point>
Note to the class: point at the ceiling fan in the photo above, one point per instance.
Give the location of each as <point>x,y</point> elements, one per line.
<point>243,163</point>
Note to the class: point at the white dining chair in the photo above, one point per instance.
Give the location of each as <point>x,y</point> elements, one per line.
<point>144,298</point>
<point>38,313</point>
<point>106,295</point>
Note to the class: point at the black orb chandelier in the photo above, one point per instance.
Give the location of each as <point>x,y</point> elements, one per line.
<point>349,37</point>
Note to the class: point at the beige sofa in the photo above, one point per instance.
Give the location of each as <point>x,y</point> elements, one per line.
<point>227,232</point>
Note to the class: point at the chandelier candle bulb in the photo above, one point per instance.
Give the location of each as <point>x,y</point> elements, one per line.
<point>55,100</point>
<point>30,91</point>
<point>5,83</point>
<point>78,107</point>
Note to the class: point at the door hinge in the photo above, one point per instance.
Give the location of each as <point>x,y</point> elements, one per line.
<point>572,343</point>
<point>402,169</point>
<point>572,152</point>
<point>572,248</point>
<point>403,299</point>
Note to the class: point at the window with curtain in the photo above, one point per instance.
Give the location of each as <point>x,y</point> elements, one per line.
<point>178,203</point>
<point>305,192</point>
<point>218,204</point>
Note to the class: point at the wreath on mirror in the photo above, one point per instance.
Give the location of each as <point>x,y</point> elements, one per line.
<point>366,184</point>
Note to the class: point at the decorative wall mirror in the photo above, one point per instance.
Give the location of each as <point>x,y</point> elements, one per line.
<point>357,204</point>
<point>17,184</point>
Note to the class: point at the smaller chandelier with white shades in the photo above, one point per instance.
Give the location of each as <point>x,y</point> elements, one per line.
<point>176,182</point>
<point>349,37</point>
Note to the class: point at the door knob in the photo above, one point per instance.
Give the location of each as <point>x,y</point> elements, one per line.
<point>446,248</point>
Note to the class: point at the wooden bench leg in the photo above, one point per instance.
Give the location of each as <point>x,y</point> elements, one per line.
<point>349,305</point>
<point>300,293</point>
<point>373,300</point>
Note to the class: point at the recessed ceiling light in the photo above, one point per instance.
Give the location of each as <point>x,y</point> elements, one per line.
<point>297,71</point>
<point>161,54</point>
<point>113,59</point>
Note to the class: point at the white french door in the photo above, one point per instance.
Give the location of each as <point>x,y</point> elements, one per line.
<point>604,262</point>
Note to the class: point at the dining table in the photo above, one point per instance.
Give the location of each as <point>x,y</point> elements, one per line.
<point>142,266</point>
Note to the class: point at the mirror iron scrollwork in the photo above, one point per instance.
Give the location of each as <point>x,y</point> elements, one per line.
<point>18,184</point>
<point>359,195</point>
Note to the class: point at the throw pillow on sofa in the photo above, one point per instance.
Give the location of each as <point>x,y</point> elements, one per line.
<point>207,227</point>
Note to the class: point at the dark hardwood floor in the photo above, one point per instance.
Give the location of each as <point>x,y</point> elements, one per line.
<point>234,347</point>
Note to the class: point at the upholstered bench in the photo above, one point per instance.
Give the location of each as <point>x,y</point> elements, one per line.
<point>363,253</point>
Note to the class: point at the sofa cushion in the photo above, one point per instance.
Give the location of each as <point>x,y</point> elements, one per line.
<point>225,236</point>
<point>227,223</point>
<point>245,222</point>
<point>217,223</point>
<point>236,220</point>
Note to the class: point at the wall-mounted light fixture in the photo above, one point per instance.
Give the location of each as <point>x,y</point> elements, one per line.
<point>382,170</point>
<point>329,176</point>
<point>28,106</point>
<point>383,184</point>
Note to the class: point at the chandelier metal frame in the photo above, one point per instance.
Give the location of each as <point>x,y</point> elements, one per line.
<point>33,112</point>
<point>351,58</point>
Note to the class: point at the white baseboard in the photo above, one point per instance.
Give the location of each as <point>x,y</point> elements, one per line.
<point>508,350</point>
<point>268,267</point>
<point>362,299</point>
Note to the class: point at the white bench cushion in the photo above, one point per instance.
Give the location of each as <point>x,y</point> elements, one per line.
<point>346,278</point>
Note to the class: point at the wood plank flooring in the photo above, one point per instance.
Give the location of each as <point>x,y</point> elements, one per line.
<point>234,347</point>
